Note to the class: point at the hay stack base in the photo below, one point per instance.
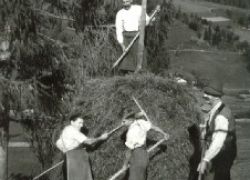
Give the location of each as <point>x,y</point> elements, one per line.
<point>169,105</point>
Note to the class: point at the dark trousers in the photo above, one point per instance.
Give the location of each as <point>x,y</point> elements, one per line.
<point>138,164</point>
<point>220,166</point>
<point>222,163</point>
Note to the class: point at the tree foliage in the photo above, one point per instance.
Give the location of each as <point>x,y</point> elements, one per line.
<point>56,46</point>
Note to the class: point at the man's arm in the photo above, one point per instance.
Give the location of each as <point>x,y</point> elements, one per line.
<point>119,30</point>
<point>218,138</point>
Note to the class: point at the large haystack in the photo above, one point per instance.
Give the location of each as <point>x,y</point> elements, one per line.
<point>169,105</point>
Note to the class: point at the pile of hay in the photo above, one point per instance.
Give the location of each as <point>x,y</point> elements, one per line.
<point>169,106</point>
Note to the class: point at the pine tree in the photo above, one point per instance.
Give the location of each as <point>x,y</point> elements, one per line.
<point>37,62</point>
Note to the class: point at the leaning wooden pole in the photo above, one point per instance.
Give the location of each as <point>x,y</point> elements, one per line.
<point>140,52</point>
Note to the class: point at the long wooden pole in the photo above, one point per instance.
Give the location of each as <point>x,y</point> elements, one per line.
<point>46,171</point>
<point>140,52</point>
<point>126,51</point>
<point>141,109</point>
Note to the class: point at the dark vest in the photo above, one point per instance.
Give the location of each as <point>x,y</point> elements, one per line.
<point>231,134</point>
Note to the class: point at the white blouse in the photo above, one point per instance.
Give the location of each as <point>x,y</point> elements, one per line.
<point>137,133</point>
<point>70,139</point>
<point>128,20</point>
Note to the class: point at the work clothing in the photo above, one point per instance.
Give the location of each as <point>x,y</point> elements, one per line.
<point>220,133</point>
<point>76,158</point>
<point>78,165</point>
<point>138,164</point>
<point>129,63</point>
<point>221,138</point>
<point>70,138</point>
<point>128,20</point>
<point>137,133</point>
<point>127,26</point>
<point>135,141</point>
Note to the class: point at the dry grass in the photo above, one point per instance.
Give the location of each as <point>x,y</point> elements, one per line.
<point>170,106</point>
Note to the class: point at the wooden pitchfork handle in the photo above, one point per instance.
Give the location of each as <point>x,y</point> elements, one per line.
<point>48,170</point>
<point>141,109</point>
<point>115,129</point>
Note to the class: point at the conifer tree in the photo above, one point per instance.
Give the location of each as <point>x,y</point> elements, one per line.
<point>37,62</point>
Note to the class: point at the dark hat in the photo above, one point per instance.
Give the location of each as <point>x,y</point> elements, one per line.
<point>214,88</point>
<point>74,115</point>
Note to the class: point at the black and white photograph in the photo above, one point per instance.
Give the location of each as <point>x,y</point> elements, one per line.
<point>124,89</point>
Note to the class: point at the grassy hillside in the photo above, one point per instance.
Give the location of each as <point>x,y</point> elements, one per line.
<point>204,8</point>
<point>210,9</point>
<point>227,66</point>
<point>230,67</point>
<point>237,3</point>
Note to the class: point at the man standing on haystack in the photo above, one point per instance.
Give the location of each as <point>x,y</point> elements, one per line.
<point>137,155</point>
<point>220,137</point>
<point>127,26</point>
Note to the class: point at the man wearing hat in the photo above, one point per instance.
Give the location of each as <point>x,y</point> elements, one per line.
<point>220,136</point>
<point>136,155</point>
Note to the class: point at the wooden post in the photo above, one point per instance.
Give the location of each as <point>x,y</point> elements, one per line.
<point>142,36</point>
<point>4,114</point>
<point>4,128</point>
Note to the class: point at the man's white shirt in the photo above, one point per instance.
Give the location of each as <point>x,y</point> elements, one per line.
<point>218,137</point>
<point>128,20</point>
<point>137,133</point>
<point>70,138</point>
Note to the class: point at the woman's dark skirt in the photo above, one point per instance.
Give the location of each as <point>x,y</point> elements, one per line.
<point>78,165</point>
<point>129,63</point>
